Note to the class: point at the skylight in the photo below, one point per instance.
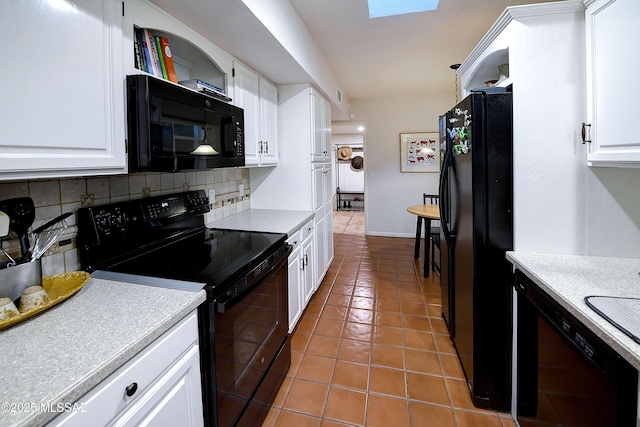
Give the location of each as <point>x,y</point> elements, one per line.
<point>380,8</point>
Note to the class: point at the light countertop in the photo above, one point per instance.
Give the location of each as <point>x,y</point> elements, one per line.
<point>61,354</point>
<point>570,278</point>
<point>265,220</point>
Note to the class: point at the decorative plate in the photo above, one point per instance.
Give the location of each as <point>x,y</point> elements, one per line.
<point>59,288</point>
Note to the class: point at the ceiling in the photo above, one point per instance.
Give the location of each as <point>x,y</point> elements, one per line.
<point>398,55</point>
<point>393,56</point>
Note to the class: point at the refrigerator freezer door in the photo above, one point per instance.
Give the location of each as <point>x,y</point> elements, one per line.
<point>463,220</point>
<point>446,266</point>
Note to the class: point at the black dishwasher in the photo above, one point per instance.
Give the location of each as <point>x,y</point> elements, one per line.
<point>566,375</point>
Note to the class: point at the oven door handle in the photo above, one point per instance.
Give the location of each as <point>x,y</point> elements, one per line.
<point>225,304</point>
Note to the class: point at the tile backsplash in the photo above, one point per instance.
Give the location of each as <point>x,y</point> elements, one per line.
<point>52,197</point>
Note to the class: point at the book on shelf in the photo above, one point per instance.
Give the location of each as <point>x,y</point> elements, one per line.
<point>168,60</point>
<point>163,68</point>
<point>136,51</point>
<point>155,64</point>
<point>142,51</point>
<point>206,88</point>
<point>153,55</point>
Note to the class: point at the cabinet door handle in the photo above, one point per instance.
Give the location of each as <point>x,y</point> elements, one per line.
<point>260,149</point>
<point>306,259</point>
<point>302,263</point>
<point>266,144</point>
<point>584,132</point>
<point>131,389</point>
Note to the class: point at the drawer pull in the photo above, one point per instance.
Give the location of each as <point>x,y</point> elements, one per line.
<point>584,132</point>
<point>131,389</point>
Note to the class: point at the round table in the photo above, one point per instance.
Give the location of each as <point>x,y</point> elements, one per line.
<point>428,213</point>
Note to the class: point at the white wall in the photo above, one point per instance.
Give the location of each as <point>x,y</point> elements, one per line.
<point>282,20</point>
<point>613,212</point>
<point>388,195</point>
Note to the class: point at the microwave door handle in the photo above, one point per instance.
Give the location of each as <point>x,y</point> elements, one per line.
<point>234,129</point>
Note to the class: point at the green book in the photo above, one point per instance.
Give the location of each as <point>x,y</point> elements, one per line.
<point>163,67</point>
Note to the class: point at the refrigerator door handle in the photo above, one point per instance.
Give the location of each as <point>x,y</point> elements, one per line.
<point>445,201</point>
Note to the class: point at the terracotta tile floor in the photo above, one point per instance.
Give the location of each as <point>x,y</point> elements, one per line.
<point>371,348</point>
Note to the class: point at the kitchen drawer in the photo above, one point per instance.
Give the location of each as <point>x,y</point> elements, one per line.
<point>174,400</point>
<point>109,399</point>
<point>307,229</point>
<point>295,238</point>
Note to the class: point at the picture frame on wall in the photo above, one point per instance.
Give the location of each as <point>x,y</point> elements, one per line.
<point>419,152</point>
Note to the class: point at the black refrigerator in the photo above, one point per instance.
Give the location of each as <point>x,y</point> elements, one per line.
<point>476,209</point>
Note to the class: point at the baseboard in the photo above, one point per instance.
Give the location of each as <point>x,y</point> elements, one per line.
<point>386,234</point>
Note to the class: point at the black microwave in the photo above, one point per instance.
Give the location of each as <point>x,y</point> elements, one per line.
<point>167,123</point>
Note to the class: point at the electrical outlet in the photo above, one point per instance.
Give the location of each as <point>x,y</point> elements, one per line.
<point>212,196</point>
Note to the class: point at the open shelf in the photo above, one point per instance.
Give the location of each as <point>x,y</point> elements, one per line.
<point>488,70</point>
<point>350,200</point>
<point>191,62</point>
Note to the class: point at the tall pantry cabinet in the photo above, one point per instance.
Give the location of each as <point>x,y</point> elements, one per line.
<point>302,180</point>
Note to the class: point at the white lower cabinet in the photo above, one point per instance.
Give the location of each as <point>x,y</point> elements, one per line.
<point>158,387</point>
<point>295,293</point>
<point>301,272</point>
<point>308,267</point>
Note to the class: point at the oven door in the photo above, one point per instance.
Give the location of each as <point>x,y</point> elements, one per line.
<point>250,331</point>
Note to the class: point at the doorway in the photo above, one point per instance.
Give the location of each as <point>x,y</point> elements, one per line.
<point>347,139</point>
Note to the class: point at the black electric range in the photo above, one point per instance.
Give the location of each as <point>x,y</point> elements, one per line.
<point>162,241</point>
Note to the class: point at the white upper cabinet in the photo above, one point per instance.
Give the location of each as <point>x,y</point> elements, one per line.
<point>326,130</point>
<point>612,55</point>
<point>259,99</point>
<point>245,96</point>
<point>62,84</point>
<point>318,139</point>
<point>268,136</point>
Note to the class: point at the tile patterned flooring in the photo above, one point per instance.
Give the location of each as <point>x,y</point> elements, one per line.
<point>371,348</point>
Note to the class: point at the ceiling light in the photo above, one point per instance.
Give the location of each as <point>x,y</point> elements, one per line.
<point>380,8</point>
<point>360,128</point>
